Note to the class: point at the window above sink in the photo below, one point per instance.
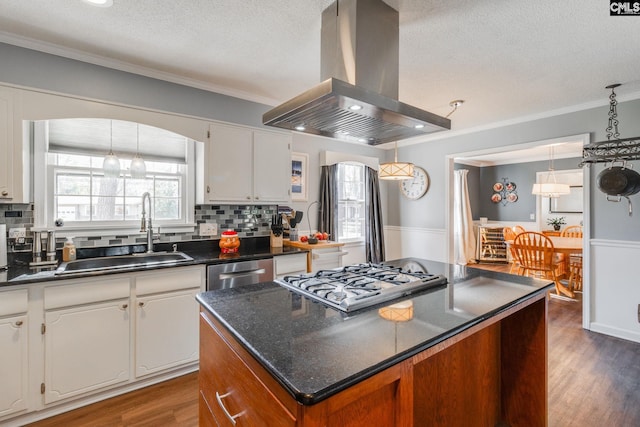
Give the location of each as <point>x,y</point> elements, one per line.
<point>69,178</point>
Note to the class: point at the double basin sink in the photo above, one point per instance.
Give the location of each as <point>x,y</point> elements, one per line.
<point>89,265</point>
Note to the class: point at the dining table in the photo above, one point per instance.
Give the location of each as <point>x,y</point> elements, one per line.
<point>567,246</point>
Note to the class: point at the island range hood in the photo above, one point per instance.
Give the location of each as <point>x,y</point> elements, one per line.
<point>358,99</point>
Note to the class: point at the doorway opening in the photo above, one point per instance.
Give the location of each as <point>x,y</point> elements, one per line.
<point>565,147</point>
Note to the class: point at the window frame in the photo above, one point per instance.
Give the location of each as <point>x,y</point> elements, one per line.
<point>361,203</point>
<point>43,187</point>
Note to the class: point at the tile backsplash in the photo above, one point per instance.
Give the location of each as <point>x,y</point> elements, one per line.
<point>246,220</point>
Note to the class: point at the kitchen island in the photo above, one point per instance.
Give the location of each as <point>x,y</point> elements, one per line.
<point>473,352</point>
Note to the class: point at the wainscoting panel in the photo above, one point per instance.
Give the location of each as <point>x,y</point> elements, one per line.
<point>615,288</point>
<point>404,242</point>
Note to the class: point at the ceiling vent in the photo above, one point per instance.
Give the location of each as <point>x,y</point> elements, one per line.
<point>357,100</point>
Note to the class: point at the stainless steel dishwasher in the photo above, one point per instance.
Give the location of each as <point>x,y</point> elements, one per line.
<point>234,274</point>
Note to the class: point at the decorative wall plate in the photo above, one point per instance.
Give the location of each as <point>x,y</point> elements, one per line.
<point>498,186</point>
<point>496,198</point>
<point>511,186</point>
<point>512,197</point>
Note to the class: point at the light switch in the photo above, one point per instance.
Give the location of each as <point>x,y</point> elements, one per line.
<point>16,233</point>
<point>532,217</point>
<point>208,229</point>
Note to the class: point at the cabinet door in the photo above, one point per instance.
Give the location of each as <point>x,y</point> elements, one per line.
<point>166,331</point>
<point>86,348</point>
<point>230,166</point>
<point>6,145</point>
<point>229,388</point>
<point>272,167</point>
<point>13,364</point>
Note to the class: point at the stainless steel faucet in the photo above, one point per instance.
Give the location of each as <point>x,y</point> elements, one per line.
<point>146,224</point>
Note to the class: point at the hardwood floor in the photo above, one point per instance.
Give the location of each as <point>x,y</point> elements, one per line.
<point>171,403</point>
<point>594,380</point>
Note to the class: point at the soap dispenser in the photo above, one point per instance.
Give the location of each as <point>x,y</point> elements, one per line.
<point>69,250</point>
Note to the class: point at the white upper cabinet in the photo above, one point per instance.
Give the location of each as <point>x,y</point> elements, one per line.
<point>247,166</point>
<point>15,158</point>
<point>6,145</point>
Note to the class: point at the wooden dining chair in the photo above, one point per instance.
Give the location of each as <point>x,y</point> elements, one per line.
<point>518,229</point>
<point>572,231</point>
<point>509,235</point>
<point>536,256</point>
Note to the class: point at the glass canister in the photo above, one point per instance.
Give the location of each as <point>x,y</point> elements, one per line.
<point>229,242</point>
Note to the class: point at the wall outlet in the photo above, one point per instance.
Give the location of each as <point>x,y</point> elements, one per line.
<point>16,233</point>
<point>532,217</point>
<point>208,229</point>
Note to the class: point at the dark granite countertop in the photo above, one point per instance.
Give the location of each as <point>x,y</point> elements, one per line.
<point>203,252</point>
<point>315,351</point>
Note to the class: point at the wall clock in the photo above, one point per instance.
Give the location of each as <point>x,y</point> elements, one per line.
<point>415,188</point>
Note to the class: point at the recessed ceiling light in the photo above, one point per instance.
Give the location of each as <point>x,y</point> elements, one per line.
<point>419,126</point>
<point>300,128</point>
<point>355,107</point>
<point>99,3</point>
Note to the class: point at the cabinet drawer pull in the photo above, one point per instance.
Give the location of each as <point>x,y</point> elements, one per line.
<point>141,304</point>
<point>231,418</point>
<point>19,323</point>
<point>5,193</point>
<point>124,306</point>
<point>248,197</point>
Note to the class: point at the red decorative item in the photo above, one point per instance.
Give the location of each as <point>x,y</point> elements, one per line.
<point>229,242</point>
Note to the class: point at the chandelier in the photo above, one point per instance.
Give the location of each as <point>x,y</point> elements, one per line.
<point>395,171</point>
<point>550,187</point>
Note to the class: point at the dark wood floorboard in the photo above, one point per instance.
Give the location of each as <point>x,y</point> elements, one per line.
<point>594,380</point>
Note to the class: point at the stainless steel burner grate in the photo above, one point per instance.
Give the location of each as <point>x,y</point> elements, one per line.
<point>361,285</point>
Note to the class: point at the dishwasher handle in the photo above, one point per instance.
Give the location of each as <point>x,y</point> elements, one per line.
<point>246,273</point>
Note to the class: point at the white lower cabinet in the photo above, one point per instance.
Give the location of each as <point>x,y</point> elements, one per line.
<point>166,331</point>
<point>87,338</point>
<point>286,265</point>
<point>13,352</point>
<point>93,338</point>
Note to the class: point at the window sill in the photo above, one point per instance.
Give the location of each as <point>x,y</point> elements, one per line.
<point>78,231</point>
<point>352,242</point>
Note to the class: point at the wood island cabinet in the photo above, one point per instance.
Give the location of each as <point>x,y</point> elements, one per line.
<point>493,373</point>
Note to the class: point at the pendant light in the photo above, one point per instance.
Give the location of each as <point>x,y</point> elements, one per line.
<point>550,188</point>
<point>395,171</point>
<point>138,169</point>
<point>111,164</point>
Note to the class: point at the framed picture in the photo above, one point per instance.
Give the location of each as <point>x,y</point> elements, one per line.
<point>571,203</point>
<point>299,163</point>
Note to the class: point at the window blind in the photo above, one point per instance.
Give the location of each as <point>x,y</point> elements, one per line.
<point>95,136</point>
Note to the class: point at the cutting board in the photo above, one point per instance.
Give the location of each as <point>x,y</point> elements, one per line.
<point>309,247</point>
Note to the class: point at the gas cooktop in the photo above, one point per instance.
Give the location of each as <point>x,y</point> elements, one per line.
<point>361,285</point>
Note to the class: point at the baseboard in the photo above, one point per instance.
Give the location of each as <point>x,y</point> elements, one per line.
<point>615,332</point>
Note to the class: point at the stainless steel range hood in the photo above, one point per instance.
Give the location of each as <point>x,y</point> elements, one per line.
<point>359,65</point>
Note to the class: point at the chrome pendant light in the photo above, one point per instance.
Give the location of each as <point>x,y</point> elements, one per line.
<point>550,188</point>
<point>396,171</point>
<point>138,168</point>
<point>111,164</point>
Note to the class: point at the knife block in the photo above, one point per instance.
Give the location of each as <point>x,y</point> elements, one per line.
<point>276,241</point>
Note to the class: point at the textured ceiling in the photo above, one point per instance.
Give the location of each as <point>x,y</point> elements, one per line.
<point>509,59</point>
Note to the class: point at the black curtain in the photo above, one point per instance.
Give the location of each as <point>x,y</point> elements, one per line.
<point>328,200</point>
<point>374,231</point>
